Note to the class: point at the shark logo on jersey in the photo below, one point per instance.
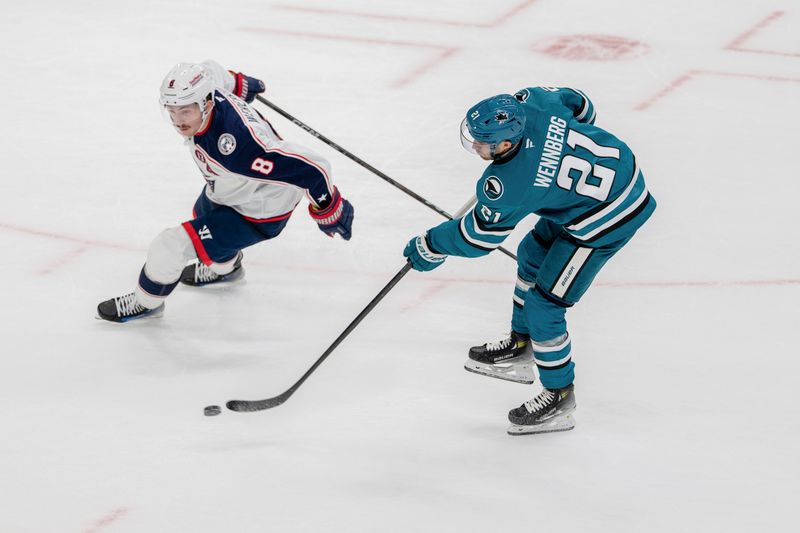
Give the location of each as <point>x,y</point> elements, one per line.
<point>226,144</point>
<point>522,95</point>
<point>493,188</point>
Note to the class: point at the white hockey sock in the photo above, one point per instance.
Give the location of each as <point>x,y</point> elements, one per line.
<point>224,268</point>
<point>168,254</point>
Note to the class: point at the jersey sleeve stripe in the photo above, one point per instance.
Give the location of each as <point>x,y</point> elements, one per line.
<point>584,107</point>
<point>482,229</point>
<point>472,241</point>
<point>479,237</point>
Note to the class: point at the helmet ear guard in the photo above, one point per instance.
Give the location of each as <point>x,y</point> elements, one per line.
<point>492,121</point>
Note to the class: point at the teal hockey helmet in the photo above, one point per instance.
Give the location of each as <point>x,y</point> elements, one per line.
<point>492,121</point>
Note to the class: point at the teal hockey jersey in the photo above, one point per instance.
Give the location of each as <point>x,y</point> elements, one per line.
<point>565,169</point>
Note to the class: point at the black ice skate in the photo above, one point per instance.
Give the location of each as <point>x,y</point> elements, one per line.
<point>550,411</point>
<point>199,275</point>
<point>510,359</point>
<point>125,308</point>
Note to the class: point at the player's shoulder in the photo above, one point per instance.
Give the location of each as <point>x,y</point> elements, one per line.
<point>545,99</point>
<point>506,184</point>
<point>235,128</point>
<point>233,114</point>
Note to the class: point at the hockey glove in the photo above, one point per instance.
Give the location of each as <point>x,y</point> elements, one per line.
<point>336,217</point>
<point>246,87</point>
<point>420,255</point>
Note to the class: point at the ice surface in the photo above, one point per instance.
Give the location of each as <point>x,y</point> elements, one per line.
<point>686,347</point>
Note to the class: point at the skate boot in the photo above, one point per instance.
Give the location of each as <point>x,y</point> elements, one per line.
<point>125,308</point>
<point>550,411</point>
<point>510,359</point>
<point>199,275</point>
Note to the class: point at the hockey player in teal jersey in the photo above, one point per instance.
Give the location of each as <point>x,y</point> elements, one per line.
<point>547,158</point>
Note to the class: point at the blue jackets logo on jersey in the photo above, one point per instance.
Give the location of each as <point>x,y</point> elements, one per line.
<point>226,144</point>
<point>493,188</point>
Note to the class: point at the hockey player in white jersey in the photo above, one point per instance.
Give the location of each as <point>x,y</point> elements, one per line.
<point>254,180</point>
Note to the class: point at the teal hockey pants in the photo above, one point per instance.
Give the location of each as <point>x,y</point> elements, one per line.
<point>553,272</point>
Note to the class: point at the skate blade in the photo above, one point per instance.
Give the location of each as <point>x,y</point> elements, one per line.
<point>233,281</point>
<point>560,423</point>
<point>219,286</point>
<point>157,314</point>
<point>519,373</point>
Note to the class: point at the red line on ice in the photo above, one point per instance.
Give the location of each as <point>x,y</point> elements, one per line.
<point>442,52</point>
<point>736,44</point>
<point>422,69</point>
<point>107,520</point>
<point>682,79</point>
<point>425,20</point>
<point>63,260</point>
<point>62,237</point>
<point>677,82</point>
<point>346,38</point>
<point>430,278</point>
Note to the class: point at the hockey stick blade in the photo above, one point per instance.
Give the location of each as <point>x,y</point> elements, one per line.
<point>246,406</point>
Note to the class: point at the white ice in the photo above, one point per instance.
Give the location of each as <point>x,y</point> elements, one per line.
<point>686,346</point>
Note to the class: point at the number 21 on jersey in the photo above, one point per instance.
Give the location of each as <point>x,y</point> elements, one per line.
<point>603,177</point>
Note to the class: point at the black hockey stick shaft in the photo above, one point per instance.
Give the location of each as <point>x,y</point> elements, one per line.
<point>363,163</point>
<point>269,403</point>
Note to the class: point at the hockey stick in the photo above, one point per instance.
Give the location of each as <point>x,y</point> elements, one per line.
<point>364,164</point>
<point>247,406</point>
<point>269,403</point>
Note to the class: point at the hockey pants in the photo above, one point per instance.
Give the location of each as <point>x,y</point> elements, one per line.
<point>553,272</point>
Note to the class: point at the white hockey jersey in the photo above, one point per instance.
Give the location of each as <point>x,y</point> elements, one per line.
<point>246,164</point>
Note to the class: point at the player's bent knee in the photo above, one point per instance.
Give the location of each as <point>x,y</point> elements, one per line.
<point>168,254</point>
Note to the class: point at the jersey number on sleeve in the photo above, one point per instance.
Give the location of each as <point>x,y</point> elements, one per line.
<point>603,177</point>
<point>488,214</point>
<point>264,166</point>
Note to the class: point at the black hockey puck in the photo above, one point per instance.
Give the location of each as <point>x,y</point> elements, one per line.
<point>212,410</point>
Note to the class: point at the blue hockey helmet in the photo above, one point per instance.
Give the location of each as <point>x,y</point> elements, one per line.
<point>492,121</point>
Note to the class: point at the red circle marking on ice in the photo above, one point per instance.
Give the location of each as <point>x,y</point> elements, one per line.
<point>591,47</point>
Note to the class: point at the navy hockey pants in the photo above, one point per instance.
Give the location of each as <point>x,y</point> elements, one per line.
<point>218,232</point>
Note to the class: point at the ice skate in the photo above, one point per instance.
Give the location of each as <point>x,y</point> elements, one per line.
<point>125,308</point>
<point>199,275</point>
<point>510,359</point>
<point>548,412</point>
